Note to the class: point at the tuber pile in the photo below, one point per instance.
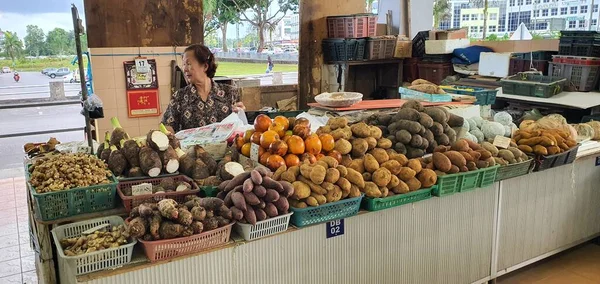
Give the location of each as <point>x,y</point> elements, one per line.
<point>108,237</point>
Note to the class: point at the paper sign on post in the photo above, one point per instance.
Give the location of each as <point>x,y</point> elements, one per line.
<point>254,152</point>
<point>501,142</point>
<point>141,189</point>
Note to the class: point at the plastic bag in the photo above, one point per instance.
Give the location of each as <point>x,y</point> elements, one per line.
<point>93,105</point>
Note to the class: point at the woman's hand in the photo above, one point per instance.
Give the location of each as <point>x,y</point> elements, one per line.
<point>238,106</point>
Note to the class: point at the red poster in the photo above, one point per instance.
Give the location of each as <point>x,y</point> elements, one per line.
<point>141,103</point>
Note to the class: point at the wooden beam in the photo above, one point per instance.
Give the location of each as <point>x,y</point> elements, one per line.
<point>118,23</point>
<point>313,29</point>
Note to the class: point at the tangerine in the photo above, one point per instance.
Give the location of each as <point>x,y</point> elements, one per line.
<point>279,128</point>
<point>262,123</point>
<point>327,142</point>
<point>246,149</point>
<point>278,147</point>
<point>282,120</point>
<point>267,138</point>
<point>256,137</point>
<point>291,160</point>
<point>313,144</point>
<point>274,162</point>
<point>295,145</point>
<point>263,158</point>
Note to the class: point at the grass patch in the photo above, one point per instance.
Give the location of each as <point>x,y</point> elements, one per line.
<point>224,69</point>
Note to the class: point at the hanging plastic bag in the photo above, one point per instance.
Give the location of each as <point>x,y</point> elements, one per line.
<point>93,105</point>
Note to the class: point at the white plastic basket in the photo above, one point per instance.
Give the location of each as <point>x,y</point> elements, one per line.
<point>263,228</point>
<point>70,266</point>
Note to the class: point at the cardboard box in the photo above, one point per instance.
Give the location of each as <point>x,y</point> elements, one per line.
<point>447,34</point>
<point>403,47</point>
<point>381,30</point>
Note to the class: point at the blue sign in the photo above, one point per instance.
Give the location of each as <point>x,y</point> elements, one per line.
<point>598,161</point>
<point>334,228</point>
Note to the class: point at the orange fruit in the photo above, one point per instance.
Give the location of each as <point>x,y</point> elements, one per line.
<point>282,120</point>
<point>248,135</point>
<point>279,128</point>
<point>274,162</point>
<point>261,151</point>
<point>278,147</point>
<point>255,138</point>
<point>246,149</point>
<point>301,130</point>
<point>263,158</point>
<point>262,123</point>
<point>295,145</point>
<point>327,142</point>
<point>291,160</point>
<point>267,138</point>
<point>336,155</point>
<point>239,142</point>
<point>302,121</point>
<point>313,144</point>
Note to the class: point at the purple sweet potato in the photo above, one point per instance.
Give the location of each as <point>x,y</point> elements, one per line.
<point>256,177</point>
<point>227,199</point>
<point>271,196</point>
<point>237,180</point>
<point>250,216</point>
<point>260,214</point>
<point>270,183</point>
<point>237,213</point>
<point>211,203</point>
<point>225,212</point>
<point>271,210</point>
<point>259,190</point>
<point>221,195</point>
<point>264,171</point>
<point>288,188</point>
<point>282,205</point>
<point>223,184</point>
<point>248,185</point>
<point>239,201</point>
<point>251,198</point>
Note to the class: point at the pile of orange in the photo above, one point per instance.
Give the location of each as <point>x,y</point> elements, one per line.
<point>285,141</point>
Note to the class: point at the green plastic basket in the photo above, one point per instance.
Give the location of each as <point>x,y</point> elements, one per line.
<point>487,176</point>
<point>514,170</point>
<point>326,212</point>
<point>376,204</point>
<point>75,201</point>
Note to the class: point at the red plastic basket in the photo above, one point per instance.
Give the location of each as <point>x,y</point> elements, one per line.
<point>352,26</point>
<point>131,202</point>
<point>169,249</point>
<point>579,60</point>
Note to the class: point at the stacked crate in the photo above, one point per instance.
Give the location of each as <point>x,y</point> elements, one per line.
<point>582,72</point>
<point>523,62</point>
<point>347,37</point>
<point>579,43</point>
<point>411,65</point>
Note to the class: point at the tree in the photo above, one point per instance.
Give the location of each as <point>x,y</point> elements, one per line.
<point>34,40</point>
<point>485,5</point>
<point>226,13</point>
<point>441,12</point>
<point>58,41</point>
<point>210,23</point>
<point>370,6</point>
<point>262,18</point>
<point>12,45</point>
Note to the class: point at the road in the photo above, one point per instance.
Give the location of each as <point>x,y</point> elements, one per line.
<point>32,85</point>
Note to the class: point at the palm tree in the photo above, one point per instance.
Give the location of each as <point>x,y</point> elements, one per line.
<point>441,12</point>
<point>485,5</point>
<point>12,45</point>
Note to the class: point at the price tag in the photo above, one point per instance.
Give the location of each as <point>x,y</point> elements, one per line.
<point>501,142</point>
<point>598,161</point>
<point>254,152</point>
<point>334,228</point>
<point>141,66</point>
<point>141,189</point>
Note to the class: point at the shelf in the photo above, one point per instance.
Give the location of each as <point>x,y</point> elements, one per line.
<point>120,210</point>
<point>369,62</point>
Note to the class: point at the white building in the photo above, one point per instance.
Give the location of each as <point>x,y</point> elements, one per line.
<point>289,27</point>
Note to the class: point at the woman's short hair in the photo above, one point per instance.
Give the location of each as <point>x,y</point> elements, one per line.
<point>204,56</point>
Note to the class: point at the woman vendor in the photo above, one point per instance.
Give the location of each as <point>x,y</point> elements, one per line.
<point>202,101</point>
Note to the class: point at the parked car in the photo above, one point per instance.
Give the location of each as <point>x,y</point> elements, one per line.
<point>5,69</point>
<point>49,70</point>
<point>60,72</point>
<point>76,76</point>
<point>69,78</point>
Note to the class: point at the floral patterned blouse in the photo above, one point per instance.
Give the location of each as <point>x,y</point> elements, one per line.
<point>187,110</point>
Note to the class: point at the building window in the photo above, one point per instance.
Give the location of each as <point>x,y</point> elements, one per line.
<point>501,29</point>
<point>493,16</point>
<point>527,2</point>
<point>546,1</point>
<point>554,12</point>
<point>480,29</point>
<point>563,10</point>
<point>571,24</point>
<point>545,13</point>
<point>515,18</point>
<point>536,13</point>
<point>520,2</point>
<point>583,9</point>
<point>511,3</point>
<point>465,17</point>
<point>573,10</point>
<point>594,22</point>
<point>492,29</point>
<point>582,23</point>
<point>473,17</point>
<point>541,26</point>
<point>595,8</point>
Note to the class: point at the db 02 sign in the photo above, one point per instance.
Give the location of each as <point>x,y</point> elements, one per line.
<point>334,228</point>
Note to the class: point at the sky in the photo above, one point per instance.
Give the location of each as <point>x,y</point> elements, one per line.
<point>15,15</point>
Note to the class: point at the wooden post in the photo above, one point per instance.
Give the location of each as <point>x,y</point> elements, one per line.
<point>313,29</point>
